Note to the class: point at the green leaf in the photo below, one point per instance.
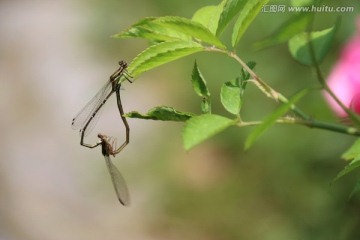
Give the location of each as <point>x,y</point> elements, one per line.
<point>172,28</point>
<point>270,120</point>
<point>247,15</point>
<point>200,88</point>
<point>244,76</point>
<point>353,152</point>
<point>199,128</point>
<point>209,16</point>
<point>162,113</point>
<point>231,8</point>
<point>321,42</point>
<point>232,91</point>
<point>296,24</point>
<point>162,53</point>
<point>191,28</point>
<point>199,83</point>
<point>354,164</point>
<point>147,28</point>
<point>135,30</point>
<point>230,97</point>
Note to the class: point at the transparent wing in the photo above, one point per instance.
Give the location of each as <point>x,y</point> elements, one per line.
<point>80,120</point>
<point>119,183</point>
<point>93,120</point>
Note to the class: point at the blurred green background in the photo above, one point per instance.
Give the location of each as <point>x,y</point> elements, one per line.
<point>56,55</point>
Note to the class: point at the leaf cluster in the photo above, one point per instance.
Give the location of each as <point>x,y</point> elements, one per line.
<point>173,37</point>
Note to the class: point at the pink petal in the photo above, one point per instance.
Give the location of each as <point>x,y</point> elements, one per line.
<point>344,79</point>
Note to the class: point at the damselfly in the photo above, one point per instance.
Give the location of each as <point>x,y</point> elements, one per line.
<point>86,118</point>
<point>121,190</point>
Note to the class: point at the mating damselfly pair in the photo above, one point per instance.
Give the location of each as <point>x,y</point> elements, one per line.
<point>86,119</point>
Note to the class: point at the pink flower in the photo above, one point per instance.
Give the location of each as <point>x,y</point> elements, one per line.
<point>344,79</point>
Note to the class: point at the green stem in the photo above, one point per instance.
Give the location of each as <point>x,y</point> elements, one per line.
<point>294,108</point>
<point>264,87</point>
<point>311,124</point>
<point>330,126</point>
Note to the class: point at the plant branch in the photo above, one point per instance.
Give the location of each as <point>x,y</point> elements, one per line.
<point>263,86</point>
<point>311,123</point>
<point>304,119</point>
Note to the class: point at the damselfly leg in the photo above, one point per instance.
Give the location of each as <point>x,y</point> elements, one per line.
<point>127,128</point>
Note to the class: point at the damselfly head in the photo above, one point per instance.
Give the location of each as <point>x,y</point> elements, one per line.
<point>123,64</point>
<point>102,136</point>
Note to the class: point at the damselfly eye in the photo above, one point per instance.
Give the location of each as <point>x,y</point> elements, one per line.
<point>123,64</point>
